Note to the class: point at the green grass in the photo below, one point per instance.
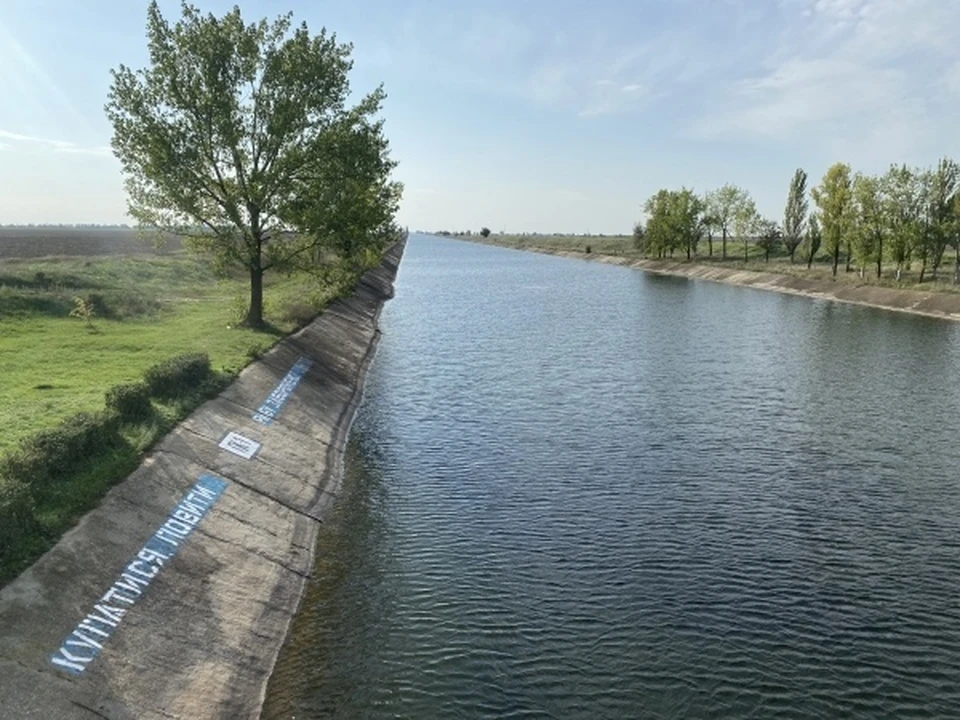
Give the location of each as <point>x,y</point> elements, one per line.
<point>54,365</point>
<point>149,308</point>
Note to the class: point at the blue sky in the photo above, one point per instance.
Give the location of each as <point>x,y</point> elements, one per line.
<point>532,115</point>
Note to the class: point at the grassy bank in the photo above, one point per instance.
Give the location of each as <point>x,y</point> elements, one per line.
<point>146,309</point>
<point>779,262</point>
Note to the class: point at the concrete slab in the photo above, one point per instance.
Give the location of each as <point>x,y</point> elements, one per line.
<point>173,597</point>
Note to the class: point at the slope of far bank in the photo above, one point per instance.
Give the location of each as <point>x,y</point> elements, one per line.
<point>936,303</point>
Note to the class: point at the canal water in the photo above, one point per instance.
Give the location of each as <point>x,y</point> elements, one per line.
<point>581,491</point>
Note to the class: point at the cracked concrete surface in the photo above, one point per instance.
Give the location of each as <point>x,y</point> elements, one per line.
<point>201,639</point>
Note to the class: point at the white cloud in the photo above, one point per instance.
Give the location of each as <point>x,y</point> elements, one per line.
<point>863,75</point>
<point>49,144</point>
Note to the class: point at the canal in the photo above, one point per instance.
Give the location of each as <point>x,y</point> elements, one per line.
<point>581,491</point>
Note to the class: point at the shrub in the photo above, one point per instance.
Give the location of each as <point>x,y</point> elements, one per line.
<point>46,456</point>
<point>84,309</point>
<point>300,313</point>
<point>17,518</point>
<point>131,401</point>
<point>178,376</point>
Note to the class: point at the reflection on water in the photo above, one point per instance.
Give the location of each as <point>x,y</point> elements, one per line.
<point>576,490</point>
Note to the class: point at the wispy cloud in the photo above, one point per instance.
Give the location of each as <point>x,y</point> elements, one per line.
<point>588,69</point>
<point>62,146</point>
<point>855,72</point>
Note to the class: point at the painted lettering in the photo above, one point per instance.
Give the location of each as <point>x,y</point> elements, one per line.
<point>178,527</point>
<point>87,641</point>
<point>88,626</point>
<point>74,668</point>
<point>96,627</point>
<point>148,555</point>
<point>114,592</point>
<point>279,396</point>
<point>187,517</point>
<point>134,581</point>
<point>150,572</point>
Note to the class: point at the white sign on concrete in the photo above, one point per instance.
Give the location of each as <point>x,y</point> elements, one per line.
<point>240,445</point>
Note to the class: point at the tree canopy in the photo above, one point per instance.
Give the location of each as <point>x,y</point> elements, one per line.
<point>795,214</point>
<point>834,198</point>
<point>240,138</point>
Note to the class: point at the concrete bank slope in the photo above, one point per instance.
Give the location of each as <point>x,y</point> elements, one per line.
<point>173,598</point>
<point>944,305</point>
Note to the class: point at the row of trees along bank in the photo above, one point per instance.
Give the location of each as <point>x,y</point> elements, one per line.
<point>904,216</point>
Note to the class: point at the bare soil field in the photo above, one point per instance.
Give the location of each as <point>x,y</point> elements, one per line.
<point>37,242</point>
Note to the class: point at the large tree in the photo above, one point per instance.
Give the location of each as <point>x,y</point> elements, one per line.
<point>688,219</point>
<point>871,223</point>
<point>834,198</point>
<point>813,238</point>
<point>902,201</point>
<point>674,221</point>
<point>769,237</point>
<point>746,221</point>
<point>943,188</point>
<point>723,205</point>
<point>795,214</point>
<point>240,137</point>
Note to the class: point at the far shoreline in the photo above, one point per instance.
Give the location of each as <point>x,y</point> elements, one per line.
<point>932,304</point>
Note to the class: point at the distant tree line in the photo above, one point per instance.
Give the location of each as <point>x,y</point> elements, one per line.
<point>905,215</point>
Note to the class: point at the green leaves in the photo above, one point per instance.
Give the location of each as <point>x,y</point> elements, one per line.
<point>675,222</point>
<point>795,214</point>
<point>834,198</point>
<point>239,137</point>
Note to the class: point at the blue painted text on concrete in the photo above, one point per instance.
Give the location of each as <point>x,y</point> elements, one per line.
<point>275,401</point>
<point>86,641</point>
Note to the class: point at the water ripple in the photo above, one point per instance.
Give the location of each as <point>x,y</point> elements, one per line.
<point>636,497</point>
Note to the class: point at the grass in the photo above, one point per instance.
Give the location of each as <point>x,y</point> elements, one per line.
<point>148,308</point>
<point>54,365</point>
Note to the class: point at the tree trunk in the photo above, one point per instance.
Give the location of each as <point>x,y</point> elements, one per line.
<point>848,253</point>
<point>254,317</point>
<point>810,257</point>
<point>723,256</point>
<point>836,259</point>
<point>766,255</point>
<point>745,259</point>
<point>710,243</point>
<point>879,256</point>
<point>923,269</point>
<point>793,251</point>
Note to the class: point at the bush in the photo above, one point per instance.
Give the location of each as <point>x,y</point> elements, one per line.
<point>43,458</point>
<point>17,518</point>
<point>130,401</point>
<point>300,313</point>
<point>178,376</point>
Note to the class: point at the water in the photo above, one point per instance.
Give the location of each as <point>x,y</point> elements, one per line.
<point>581,491</point>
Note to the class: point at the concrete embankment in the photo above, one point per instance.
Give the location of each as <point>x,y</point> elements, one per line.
<point>945,305</point>
<point>172,599</point>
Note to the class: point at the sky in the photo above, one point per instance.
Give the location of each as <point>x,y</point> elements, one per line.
<point>531,115</point>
